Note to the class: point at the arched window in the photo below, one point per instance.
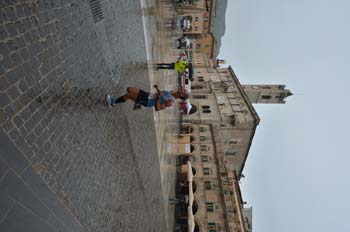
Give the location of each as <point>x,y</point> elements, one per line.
<point>194,187</point>
<point>191,138</point>
<point>196,228</point>
<point>194,171</point>
<point>194,207</point>
<point>192,148</point>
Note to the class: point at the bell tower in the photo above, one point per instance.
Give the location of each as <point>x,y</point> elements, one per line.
<point>267,94</point>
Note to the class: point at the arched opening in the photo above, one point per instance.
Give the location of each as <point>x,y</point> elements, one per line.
<point>196,228</point>
<point>191,138</point>
<point>194,186</point>
<point>192,148</point>
<point>194,207</point>
<point>194,172</point>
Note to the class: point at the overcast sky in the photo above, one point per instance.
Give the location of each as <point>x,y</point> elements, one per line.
<point>297,172</point>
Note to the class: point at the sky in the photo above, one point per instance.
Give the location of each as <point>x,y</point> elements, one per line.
<point>297,175</point>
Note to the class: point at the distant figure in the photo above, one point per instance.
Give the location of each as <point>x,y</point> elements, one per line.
<point>180,66</point>
<point>187,108</point>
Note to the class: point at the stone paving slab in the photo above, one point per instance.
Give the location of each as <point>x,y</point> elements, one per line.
<point>85,166</point>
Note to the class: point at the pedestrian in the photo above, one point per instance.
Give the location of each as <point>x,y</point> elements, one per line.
<point>187,108</point>
<point>159,100</point>
<point>180,66</point>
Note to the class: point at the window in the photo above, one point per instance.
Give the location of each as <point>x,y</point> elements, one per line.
<point>202,138</point>
<point>228,193</point>
<point>231,153</point>
<point>207,45</point>
<point>204,148</point>
<point>207,185</point>
<point>206,171</point>
<point>266,97</point>
<point>196,19</point>
<point>210,206</point>
<point>211,227</point>
<point>206,19</point>
<point>186,130</point>
<point>206,109</point>
<point>200,78</point>
<point>202,129</point>
<point>196,87</point>
<point>199,97</point>
<point>196,28</point>
<point>205,158</point>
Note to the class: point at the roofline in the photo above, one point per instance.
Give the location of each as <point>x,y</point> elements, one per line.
<point>210,13</point>
<point>255,114</point>
<point>236,183</point>
<point>212,45</point>
<point>246,155</point>
<point>241,206</point>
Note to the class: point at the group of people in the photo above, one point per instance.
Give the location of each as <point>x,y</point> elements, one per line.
<point>160,99</point>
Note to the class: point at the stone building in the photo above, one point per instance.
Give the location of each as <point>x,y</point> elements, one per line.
<point>218,140</point>
<point>198,22</point>
<point>204,43</point>
<point>207,24</point>
<point>194,5</point>
<point>200,60</point>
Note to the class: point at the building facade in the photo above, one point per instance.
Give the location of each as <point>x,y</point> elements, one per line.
<point>219,136</point>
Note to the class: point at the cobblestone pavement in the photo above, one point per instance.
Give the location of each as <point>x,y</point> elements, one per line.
<point>56,64</point>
